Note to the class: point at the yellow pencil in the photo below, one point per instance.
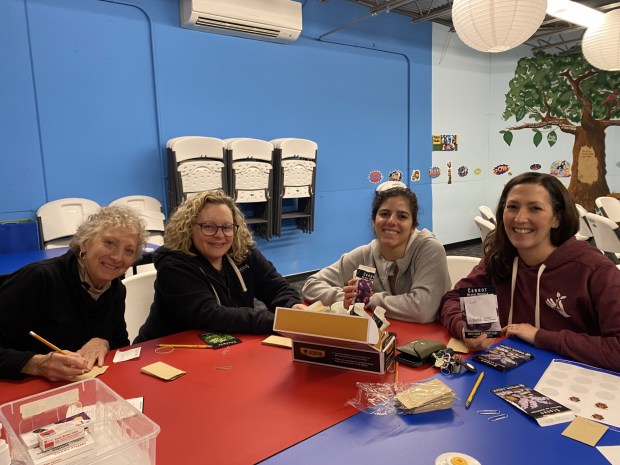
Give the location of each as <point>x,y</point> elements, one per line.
<point>186,346</point>
<point>474,389</point>
<point>48,343</point>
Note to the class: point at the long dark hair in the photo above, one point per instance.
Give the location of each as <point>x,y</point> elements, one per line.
<point>499,252</point>
<point>405,192</point>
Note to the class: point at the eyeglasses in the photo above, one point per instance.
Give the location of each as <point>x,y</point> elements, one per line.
<point>210,229</point>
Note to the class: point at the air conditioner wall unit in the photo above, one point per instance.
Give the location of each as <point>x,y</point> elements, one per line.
<point>271,20</point>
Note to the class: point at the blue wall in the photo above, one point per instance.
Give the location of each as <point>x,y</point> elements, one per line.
<point>93,89</point>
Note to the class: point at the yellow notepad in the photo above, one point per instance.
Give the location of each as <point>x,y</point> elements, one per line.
<point>162,370</point>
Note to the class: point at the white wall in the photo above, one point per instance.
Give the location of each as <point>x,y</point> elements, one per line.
<point>469,90</point>
<point>461,80</point>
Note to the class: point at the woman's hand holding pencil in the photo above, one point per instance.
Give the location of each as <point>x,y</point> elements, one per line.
<point>59,365</point>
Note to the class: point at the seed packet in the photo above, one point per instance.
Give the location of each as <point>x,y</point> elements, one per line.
<point>366,275</point>
<point>216,340</point>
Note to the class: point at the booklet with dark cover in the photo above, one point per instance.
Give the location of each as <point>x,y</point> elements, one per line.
<point>503,358</point>
<point>541,408</point>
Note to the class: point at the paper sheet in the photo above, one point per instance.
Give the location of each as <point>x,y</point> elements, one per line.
<point>126,355</point>
<point>93,373</point>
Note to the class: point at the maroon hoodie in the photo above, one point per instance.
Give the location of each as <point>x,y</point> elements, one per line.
<point>579,303</point>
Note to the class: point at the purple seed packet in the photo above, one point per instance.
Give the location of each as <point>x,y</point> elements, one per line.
<point>366,275</point>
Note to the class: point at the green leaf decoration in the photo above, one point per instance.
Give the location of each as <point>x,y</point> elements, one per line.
<point>537,137</point>
<point>520,113</point>
<point>552,138</point>
<point>508,137</point>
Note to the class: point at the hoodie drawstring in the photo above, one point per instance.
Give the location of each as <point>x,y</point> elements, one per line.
<point>515,267</point>
<point>238,273</point>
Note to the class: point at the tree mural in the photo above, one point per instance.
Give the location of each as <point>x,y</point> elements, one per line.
<point>567,93</point>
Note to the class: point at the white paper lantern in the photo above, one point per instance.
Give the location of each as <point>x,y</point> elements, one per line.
<point>601,43</point>
<point>497,25</point>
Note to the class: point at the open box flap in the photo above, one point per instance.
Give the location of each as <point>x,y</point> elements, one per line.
<point>291,322</point>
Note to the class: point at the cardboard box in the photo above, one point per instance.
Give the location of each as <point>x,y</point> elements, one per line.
<point>331,339</point>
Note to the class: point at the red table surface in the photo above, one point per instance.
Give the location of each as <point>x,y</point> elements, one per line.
<point>261,405</point>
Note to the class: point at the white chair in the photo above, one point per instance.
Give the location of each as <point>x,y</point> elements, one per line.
<point>459,267</point>
<point>140,295</point>
<point>609,207</point>
<point>59,220</point>
<point>484,226</point>
<point>584,233</point>
<point>487,214</point>
<point>140,202</point>
<point>606,235</point>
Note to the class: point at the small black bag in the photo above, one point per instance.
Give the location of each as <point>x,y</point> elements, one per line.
<point>417,352</point>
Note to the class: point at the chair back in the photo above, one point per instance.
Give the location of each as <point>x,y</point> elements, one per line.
<point>609,207</point>
<point>484,226</point>
<point>140,296</point>
<point>140,202</point>
<point>487,214</point>
<point>584,233</point>
<point>605,233</point>
<point>459,267</point>
<point>59,220</point>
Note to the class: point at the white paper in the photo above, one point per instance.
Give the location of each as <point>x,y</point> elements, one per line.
<point>126,355</point>
<point>481,308</point>
<point>611,453</point>
<point>587,391</point>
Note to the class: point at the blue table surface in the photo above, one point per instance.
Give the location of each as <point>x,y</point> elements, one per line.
<point>10,262</point>
<point>421,438</point>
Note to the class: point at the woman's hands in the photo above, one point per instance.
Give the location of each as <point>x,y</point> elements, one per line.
<point>350,291</point>
<point>482,342</point>
<point>524,331</point>
<point>55,366</point>
<point>94,351</point>
<point>65,367</point>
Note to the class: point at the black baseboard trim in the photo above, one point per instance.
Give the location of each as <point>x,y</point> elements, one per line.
<point>293,278</point>
<point>456,245</point>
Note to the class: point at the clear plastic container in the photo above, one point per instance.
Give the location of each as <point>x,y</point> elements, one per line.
<point>122,434</point>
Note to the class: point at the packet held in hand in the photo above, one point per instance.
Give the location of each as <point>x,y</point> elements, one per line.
<point>365,275</point>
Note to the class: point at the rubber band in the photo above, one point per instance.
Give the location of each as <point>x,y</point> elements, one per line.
<point>225,367</point>
<point>158,350</point>
<point>225,351</point>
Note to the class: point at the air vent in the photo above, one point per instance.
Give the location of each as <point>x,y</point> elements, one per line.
<point>230,26</point>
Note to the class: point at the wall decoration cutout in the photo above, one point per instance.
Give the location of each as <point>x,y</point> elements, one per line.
<point>445,142</point>
<point>375,176</point>
<point>395,175</point>
<point>560,169</point>
<point>449,172</point>
<point>535,166</point>
<point>571,95</point>
<point>501,169</point>
<point>415,175</point>
<point>477,171</point>
<point>434,172</point>
<point>463,171</point>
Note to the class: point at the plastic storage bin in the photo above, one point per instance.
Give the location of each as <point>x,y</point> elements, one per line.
<point>122,434</point>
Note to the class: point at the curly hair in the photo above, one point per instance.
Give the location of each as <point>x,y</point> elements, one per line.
<point>110,217</point>
<point>382,195</point>
<point>499,252</point>
<point>178,234</point>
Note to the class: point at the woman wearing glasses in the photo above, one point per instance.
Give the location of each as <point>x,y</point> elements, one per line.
<point>209,272</point>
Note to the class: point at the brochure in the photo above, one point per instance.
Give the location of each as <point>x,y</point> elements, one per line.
<point>503,357</point>
<point>541,408</point>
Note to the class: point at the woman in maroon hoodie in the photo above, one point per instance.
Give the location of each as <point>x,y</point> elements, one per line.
<point>553,291</point>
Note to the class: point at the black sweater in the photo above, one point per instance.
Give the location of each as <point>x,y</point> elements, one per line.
<point>191,294</point>
<point>47,297</point>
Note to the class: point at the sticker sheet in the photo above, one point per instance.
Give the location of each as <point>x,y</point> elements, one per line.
<point>586,390</point>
